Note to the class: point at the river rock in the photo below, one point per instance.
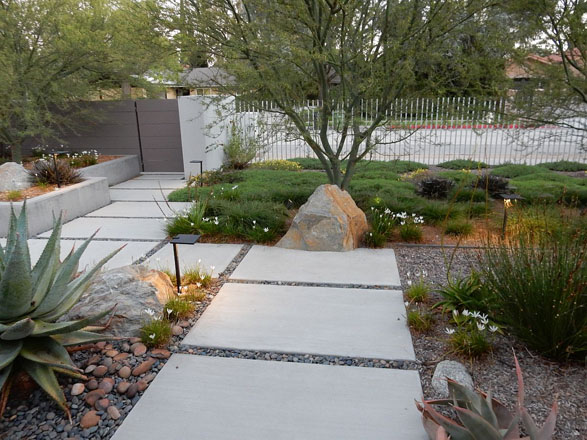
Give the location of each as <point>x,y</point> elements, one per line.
<point>329,221</point>
<point>451,370</point>
<point>133,289</point>
<point>14,177</point>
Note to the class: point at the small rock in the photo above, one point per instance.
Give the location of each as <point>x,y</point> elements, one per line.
<point>120,357</point>
<point>101,345</point>
<point>124,346</point>
<point>144,367</point>
<point>77,389</point>
<point>106,362</point>
<point>100,371</point>
<point>160,353</point>
<point>111,353</point>
<point>89,419</point>
<point>93,396</point>
<point>107,384</point>
<point>124,372</point>
<point>176,330</point>
<point>142,385</point>
<point>92,384</point>
<point>102,404</point>
<point>183,324</point>
<point>122,387</point>
<point>451,370</point>
<point>113,412</point>
<point>149,377</point>
<point>134,340</point>
<point>132,390</point>
<point>94,359</point>
<point>89,369</point>
<point>138,349</point>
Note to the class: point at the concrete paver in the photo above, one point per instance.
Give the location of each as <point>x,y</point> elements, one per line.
<point>158,176</point>
<point>114,228</point>
<point>313,320</point>
<point>374,267</point>
<point>217,398</point>
<point>217,255</point>
<point>140,209</point>
<point>150,184</point>
<point>139,195</point>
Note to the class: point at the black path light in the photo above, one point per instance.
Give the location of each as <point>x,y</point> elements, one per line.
<point>201,162</point>
<point>181,239</point>
<point>508,202</point>
<point>55,154</point>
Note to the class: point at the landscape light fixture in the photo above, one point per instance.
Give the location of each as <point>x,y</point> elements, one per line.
<point>508,201</point>
<point>201,162</point>
<point>55,154</point>
<point>181,239</point>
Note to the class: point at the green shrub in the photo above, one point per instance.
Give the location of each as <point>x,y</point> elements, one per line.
<point>84,158</point>
<point>463,164</point>
<point>436,212</point>
<point>467,293</point>
<point>308,163</point>
<point>553,188</point>
<point>515,170</point>
<point>462,178</point>
<point>278,164</point>
<point>393,167</point>
<point>156,332</point>
<point>564,165</point>
<point>419,321</point>
<point>474,195</point>
<point>14,195</point>
<point>178,308</point>
<point>539,285</point>
<point>471,343</point>
<point>458,227</point>
<point>43,171</point>
<point>418,292</point>
<point>241,149</point>
<point>410,232</point>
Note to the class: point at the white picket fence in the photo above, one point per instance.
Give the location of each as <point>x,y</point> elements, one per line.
<point>430,131</point>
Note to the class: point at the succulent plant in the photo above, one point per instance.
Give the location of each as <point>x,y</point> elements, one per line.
<point>482,417</point>
<point>32,299</point>
<point>435,187</point>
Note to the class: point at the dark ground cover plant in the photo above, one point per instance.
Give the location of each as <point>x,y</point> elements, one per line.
<point>43,172</point>
<point>435,187</point>
<point>491,184</point>
<point>463,164</point>
<point>564,165</point>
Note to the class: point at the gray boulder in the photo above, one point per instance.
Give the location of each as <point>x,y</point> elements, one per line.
<point>451,370</point>
<point>133,289</point>
<point>329,221</point>
<point>13,177</point>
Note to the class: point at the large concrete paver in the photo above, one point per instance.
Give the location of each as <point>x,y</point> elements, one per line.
<point>114,228</point>
<point>140,209</point>
<point>217,398</point>
<point>364,323</point>
<point>139,195</point>
<point>150,184</point>
<point>374,267</point>
<point>157,176</point>
<point>211,255</point>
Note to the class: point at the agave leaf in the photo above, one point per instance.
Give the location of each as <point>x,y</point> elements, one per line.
<point>46,351</point>
<point>456,431</point>
<point>16,284</point>
<point>22,231</point>
<point>4,374</point>
<point>513,431</point>
<point>19,330</point>
<point>11,237</point>
<point>63,277</point>
<point>547,430</point>
<point>45,377</point>
<point>441,434</point>
<point>480,428</point>
<point>462,394</point>
<point>504,416</point>
<point>8,352</point>
<point>50,328</point>
<point>76,289</point>
<point>3,327</point>
<point>529,424</point>
<point>70,373</point>
<point>520,384</point>
<point>80,337</point>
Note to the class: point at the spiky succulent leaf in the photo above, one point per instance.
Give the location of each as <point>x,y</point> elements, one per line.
<point>547,431</point>
<point>512,432</point>
<point>16,283</point>
<point>479,428</point>
<point>80,337</point>
<point>55,328</point>
<point>19,330</point>
<point>8,352</point>
<point>47,351</point>
<point>4,374</point>
<point>70,373</point>
<point>456,431</point>
<point>45,378</point>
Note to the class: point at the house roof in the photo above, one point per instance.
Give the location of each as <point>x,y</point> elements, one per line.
<point>206,77</point>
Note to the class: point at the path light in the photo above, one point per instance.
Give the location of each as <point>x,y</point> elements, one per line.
<point>201,169</point>
<point>181,239</point>
<point>55,154</point>
<point>508,201</point>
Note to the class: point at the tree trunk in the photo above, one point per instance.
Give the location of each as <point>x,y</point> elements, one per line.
<point>16,153</point>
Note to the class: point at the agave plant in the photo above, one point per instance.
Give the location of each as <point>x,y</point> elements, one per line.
<point>482,417</point>
<point>32,299</point>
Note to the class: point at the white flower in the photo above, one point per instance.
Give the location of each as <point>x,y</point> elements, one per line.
<point>466,312</point>
<point>254,222</point>
<point>198,285</point>
<point>157,259</point>
<point>493,328</point>
<point>216,222</point>
<point>481,327</point>
<point>455,313</point>
<point>266,229</point>
<point>449,331</point>
<point>152,336</point>
<point>475,315</point>
<point>407,304</point>
<point>169,311</point>
<point>212,268</point>
<point>409,282</point>
<point>235,187</point>
<point>150,312</point>
<point>199,261</point>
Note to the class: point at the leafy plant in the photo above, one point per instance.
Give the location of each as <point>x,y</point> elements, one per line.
<point>178,308</point>
<point>458,227</point>
<point>14,195</point>
<point>43,171</point>
<point>418,292</point>
<point>564,165</point>
<point>190,221</point>
<point>197,275</point>
<point>492,184</point>
<point>84,158</point>
<point>482,417</point>
<point>241,149</point>
<point>463,164</point>
<point>382,222</point>
<point>277,164</point>
<point>156,332</point>
<point>435,187</point>
<point>468,195</point>
<point>473,333</point>
<point>418,320</point>
<point>515,170</point>
<point>538,285</point>
<point>410,232</point>
<point>31,302</point>
<point>467,293</point>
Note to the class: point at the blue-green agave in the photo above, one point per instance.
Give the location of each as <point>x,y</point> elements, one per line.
<point>482,417</point>
<point>32,299</point>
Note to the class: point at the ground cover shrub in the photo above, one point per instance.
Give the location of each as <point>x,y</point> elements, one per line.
<point>392,166</point>
<point>178,308</point>
<point>419,320</point>
<point>515,170</point>
<point>463,164</point>
<point>84,158</point>
<point>14,195</point>
<point>539,287</point>
<point>458,227</point>
<point>473,334</point>
<point>156,332</point>
<point>241,148</point>
<point>435,187</point>
<point>390,192</point>
<point>435,212</point>
<point>278,164</point>
<point>197,275</point>
<point>466,293</point>
<point>43,172</point>
<point>381,223</point>
<point>462,178</point>
<point>551,187</point>
<point>564,165</point>
<point>418,292</point>
<point>474,195</point>
<point>478,210</point>
<point>493,185</point>
<point>417,175</point>
<point>308,163</point>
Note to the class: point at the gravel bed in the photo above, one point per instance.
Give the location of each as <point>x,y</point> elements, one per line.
<point>544,380</point>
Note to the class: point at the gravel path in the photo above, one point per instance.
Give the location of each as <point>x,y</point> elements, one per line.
<point>544,380</point>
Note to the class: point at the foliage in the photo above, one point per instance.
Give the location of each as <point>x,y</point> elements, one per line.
<point>197,275</point>
<point>84,158</point>
<point>278,164</point>
<point>212,177</point>
<point>178,308</point>
<point>156,332</point>
<point>482,417</point>
<point>463,164</point>
<point>410,232</point>
<point>474,195</point>
<point>189,221</point>
<point>472,335</point>
<point>458,227</point>
<point>193,294</point>
<point>516,170</point>
<point>418,320</point>
<point>43,171</point>
<point>553,188</point>
<point>32,300</point>
<point>418,291</point>
<point>435,187</point>
<point>382,222</point>
<point>493,185</point>
<point>564,165</point>
<point>14,195</point>
<point>538,285</point>
<point>307,163</point>
<point>467,293</point>
<point>540,219</point>
<point>241,149</point>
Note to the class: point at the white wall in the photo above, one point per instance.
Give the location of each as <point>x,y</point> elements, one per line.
<point>203,131</point>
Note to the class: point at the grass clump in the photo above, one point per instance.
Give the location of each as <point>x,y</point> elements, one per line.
<point>178,308</point>
<point>43,172</point>
<point>197,275</point>
<point>462,178</point>
<point>551,188</point>
<point>463,164</point>
<point>466,293</point>
<point>418,320</point>
<point>308,163</point>
<point>278,164</point>
<point>411,232</point>
<point>156,333</point>
<point>14,195</point>
<point>474,195</point>
<point>515,170</point>
<point>193,294</point>
<point>470,343</point>
<point>564,165</point>
<point>418,292</point>
<point>458,227</point>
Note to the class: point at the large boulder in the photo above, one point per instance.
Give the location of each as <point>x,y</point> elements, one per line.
<point>450,370</point>
<point>329,221</point>
<point>13,177</point>
<point>133,289</point>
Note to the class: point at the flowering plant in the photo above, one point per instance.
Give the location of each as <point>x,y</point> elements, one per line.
<point>473,334</point>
